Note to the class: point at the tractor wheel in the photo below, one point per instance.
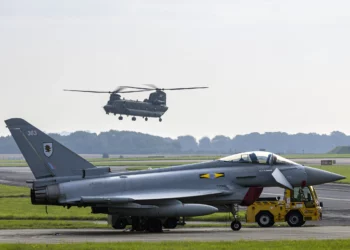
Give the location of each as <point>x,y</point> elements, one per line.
<point>295,219</point>
<point>265,219</point>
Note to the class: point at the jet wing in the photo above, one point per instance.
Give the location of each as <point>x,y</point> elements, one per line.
<point>177,194</point>
<point>155,195</point>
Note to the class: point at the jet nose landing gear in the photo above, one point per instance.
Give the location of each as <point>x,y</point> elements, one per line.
<point>236,224</point>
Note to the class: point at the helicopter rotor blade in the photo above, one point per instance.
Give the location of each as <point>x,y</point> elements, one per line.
<point>186,88</point>
<point>118,89</point>
<point>152,86</point>
<point>134,91</point>
<point>88,91</point>
<point>131,87</point>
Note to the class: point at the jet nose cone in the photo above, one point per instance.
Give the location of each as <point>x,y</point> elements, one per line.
<point>317,176</point>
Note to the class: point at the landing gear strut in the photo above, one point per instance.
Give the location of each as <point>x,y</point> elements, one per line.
<point>236,224</point>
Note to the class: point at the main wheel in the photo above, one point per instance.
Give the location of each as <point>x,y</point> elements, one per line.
<point>133,118</point>
<point>295,219</point>
<point>265,219</point>
<point>146,119</point>
<point>160,119</point>
<point>154,226</point>
<point>119,224</point>
<point>236,225</point>
<point>120,118</point>
<point>170,223</point>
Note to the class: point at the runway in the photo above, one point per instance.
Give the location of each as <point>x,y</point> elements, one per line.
<point>190,234</point>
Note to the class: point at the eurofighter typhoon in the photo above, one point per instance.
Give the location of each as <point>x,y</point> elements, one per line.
<point>152,199</point>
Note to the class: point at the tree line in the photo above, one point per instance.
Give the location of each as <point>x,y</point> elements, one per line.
<point>127,142</point>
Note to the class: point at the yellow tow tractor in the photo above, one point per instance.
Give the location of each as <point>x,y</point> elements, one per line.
<point>297,206</point>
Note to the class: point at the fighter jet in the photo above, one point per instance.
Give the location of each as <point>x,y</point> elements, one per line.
<point>152,199</point>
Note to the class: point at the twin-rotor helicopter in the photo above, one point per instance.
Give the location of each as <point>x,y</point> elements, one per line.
<point>154,106</point>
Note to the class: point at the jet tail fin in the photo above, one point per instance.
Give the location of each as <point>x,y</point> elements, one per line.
<point>45,156</point>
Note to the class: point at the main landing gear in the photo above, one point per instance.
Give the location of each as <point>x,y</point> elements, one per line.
<point>152,225</point>
<point>235,224</point>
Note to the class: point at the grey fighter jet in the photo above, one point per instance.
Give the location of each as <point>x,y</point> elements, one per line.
<point>152,199</point>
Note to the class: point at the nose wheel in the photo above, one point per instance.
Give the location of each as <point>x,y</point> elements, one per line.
<point>160,119</point>
<point>236,224</point>
<point>146,119</point>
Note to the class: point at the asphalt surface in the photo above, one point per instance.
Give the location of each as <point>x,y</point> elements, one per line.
<point>197,234</point>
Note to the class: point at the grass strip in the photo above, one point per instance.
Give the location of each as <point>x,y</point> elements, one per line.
<point>13,191</point>
<point>184,245</point>
<point>21,208</point>
<point>48,224</point>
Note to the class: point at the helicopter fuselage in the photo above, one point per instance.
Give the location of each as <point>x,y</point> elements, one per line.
<point>135,108</point>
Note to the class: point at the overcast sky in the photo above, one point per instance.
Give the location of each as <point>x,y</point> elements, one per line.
<point>269,65</point>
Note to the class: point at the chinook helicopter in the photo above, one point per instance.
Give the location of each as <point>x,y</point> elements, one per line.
<point>154,106</point>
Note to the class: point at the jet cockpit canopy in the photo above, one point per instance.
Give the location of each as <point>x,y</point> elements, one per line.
<point>258,157</point>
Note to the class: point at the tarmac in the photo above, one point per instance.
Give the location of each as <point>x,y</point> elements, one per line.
<point>183,234</point>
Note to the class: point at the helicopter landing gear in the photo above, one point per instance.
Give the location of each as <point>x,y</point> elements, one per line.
<point>133,118</point>
<point>146,119</point>
<point>120,118</point>
<point>160,119</point>
<point>236,224</point>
